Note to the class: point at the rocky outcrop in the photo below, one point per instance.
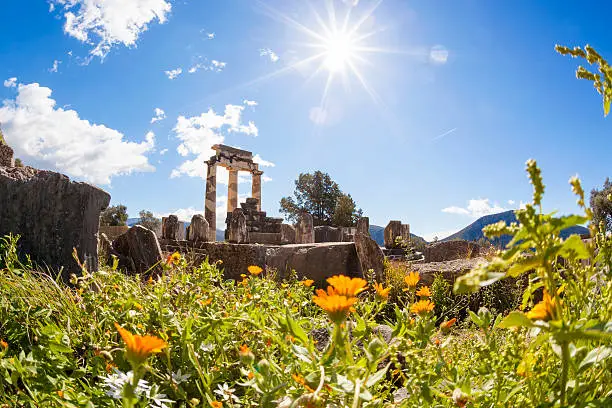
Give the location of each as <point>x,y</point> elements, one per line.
<point>449,250</point>
<point>52,215</point>
<point>139,245</point>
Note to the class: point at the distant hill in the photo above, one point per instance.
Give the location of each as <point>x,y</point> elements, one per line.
<point>378,234</point>
<point>473,232</point>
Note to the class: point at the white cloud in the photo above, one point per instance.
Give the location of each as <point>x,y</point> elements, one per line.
<point>351,3</point>
<point>267,52</point>
<point>265,178</point>
<point>511,202</point>
<point>199,133</point>
<point>214,66</point>
<point>106,23</point>
<point>210,36</point>
<point>58,138</point>
<point>163,151</point>
<point>438,234</point>
<point>55,66</point>
<point>250,103</point>
<point>11,82</point>
<point>438,55</point>
<point>476,208</point>
<point>159,115</point>
<point>264,163</point>
<point>173,73</point>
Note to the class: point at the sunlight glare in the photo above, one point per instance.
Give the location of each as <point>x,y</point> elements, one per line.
<point>339,49</point>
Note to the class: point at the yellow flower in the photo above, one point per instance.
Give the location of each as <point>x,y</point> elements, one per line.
<point>139,348</point>
<point>412,279</point>
<point>545,310</point>
<point>308,282</point>
<point>445,326</point>
<point>345,286</point>
<point>424,292</point>
<point>173,259</point>
<point>422,307</point>
<point>382,292</point>
<point>255,270</point>
<point>216,404</point>
<point>337,306</point>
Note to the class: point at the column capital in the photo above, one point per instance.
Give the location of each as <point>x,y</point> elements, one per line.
<point>257,172</point>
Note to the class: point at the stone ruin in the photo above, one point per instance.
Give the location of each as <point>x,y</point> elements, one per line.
<point>52,215</point>
<point>259,227</point>
<point>396,235</point>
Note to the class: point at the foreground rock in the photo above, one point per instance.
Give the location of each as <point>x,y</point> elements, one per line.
<point>139,251</point>
<point>369,253</point>
<point>449,250</point>
<point>450,270</point>
<point>52,215</point>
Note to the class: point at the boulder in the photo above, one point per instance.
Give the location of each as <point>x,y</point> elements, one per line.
<point>304,230</point>
<point>52,215</point>
<point>450,270</point>
<point>370,256</point>
<point>238,232</point>
<point>287,234</point>
<point>198,229</point>
<point>140,245</point>
<point>315,261</point>
<point>449,250</point>
<point>170,227</point>
<point>325,233</point>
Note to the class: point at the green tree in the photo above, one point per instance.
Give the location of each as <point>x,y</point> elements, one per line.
<point>346,213</point>
<point>115,215</point>
<point>601,205</point>
<point>148,220</point>
<point>315,193</point>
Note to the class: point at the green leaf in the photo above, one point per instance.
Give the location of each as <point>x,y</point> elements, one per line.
<point>573,246</point>
<point>475,318</point>
<point>377,376</point>
<point>296,330</point>
<point>516,319</point>
<point>59,348</point>
<point>595,356</point>
<point>523,265</point>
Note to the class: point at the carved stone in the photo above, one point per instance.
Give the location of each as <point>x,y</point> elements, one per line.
<point>287,234</point>
<point>363,225</point>
<point>198,229</point>
<point>304,230</point>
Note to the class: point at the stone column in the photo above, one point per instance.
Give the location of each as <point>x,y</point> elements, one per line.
<point>256,187</point>
<point>210,205</point>
<point>232,191</point>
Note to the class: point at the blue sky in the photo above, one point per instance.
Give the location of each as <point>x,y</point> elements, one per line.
<point>446,103</point>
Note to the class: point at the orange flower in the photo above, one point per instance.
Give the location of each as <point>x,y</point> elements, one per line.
<point>300,380</point>
<point>382,292</point>
<point>337,306</point>
<point>244,349</point>
<point>173,259</point>
<point>250,375</point>
<point>255,270</point>
<point>424,292</point>
<point>60,393</point>
<point>216,404</point>
<point>545,310</point>
<point>308,282</point>
<point>3,344</point>
<point>412,279</point>
<point>445,326</point>
<point>109,367</point>
<point>139,348</point>
<point>422,307</point>
<point>345,286</point>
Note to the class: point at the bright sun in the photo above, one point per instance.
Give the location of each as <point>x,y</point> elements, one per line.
<point>339,50</point>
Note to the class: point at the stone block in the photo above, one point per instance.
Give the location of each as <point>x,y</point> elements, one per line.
<point>363,225</point>
<point>394,230</point>
<point>269,238</point>
<point>238,232</point>
<point>198,229</point>
<point>325,233</point>
<point>114,231</point>
<point>141,246</point>
<point>52,215</point>
<point>170,227</point>
<point>450,250</point>
<point>287,233</point>
<point>370,256</point>
<point>304,230</point>
<point>315,261</point>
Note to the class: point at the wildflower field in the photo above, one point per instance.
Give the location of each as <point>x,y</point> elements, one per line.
<point>189,338</point>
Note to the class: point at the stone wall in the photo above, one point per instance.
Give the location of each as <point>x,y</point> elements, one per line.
<point>325,233</point>
<point>53,215</point>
